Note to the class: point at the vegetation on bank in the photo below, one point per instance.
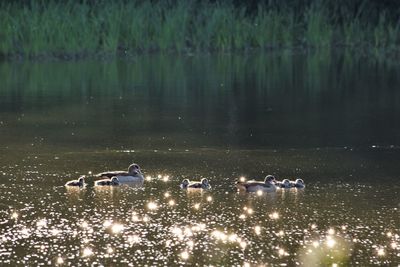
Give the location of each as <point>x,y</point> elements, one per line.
<point>81,28</point>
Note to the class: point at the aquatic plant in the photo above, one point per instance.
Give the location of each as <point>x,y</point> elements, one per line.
<point>75,29</point>
<point>318,31</point>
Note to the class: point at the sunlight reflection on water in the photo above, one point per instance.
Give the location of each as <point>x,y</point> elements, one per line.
<point>150,225</point>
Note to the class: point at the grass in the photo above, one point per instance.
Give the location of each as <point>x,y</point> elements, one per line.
<point>318,31</point>
<point>75,29</point>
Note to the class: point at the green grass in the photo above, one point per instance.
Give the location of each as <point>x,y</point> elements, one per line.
<point>75,29</point>
<point>318,31</point>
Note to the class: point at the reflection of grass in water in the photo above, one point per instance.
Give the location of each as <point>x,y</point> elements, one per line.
<point>71,29</point>
<point>163,77</point>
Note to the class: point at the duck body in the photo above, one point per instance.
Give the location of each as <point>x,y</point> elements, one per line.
<point>114,181</point>
<point>253,186</point>
<point>285,183</point>
<point>123,177</point>
<point>77,183</point>
<point>298,183</point>
<point>203,184</point>
<point>133,175</point>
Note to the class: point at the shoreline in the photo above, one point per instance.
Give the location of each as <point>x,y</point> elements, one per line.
<point>131,55</point>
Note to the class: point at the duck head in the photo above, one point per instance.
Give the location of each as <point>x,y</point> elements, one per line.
<point>134,169</point>
<point>185,183</point>
<point>299,182</point>
<point>115,181</point>
<point>269,179</point>
<point>81,180</point>
<point>204,182</point>
<point>286,183</point>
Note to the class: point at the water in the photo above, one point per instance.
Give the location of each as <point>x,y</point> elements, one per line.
<point>331,119</point>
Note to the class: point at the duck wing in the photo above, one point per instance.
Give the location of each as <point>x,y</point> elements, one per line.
<point>254,184</point>
<point>72,183</point>
<point>75,183</point>
<point>195,185</point>
<point>110,174</point>
<point>103,182</point>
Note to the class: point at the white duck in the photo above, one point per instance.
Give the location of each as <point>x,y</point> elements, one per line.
<point>253,186</point>
<point>133,175</point>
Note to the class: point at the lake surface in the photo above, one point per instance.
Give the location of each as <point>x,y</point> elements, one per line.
<point>331,118</point>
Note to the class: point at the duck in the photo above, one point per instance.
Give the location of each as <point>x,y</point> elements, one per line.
<point>285,183</point>
<point>298,183</point>
<point>108,182</point>
<point>203,184</point>
<point>133,175</point>
<point>80,182</point>
<point>268,185</point>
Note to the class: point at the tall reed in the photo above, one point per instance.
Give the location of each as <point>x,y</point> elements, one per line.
<point>71,28</point>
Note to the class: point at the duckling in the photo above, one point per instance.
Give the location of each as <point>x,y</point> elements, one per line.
<point>203,184</point>
<point>134,174</point>
<point>80,182</point>
<point>110,182</point>
<point>284,184</point>
<point>299,183</point>
<point>253,186</point>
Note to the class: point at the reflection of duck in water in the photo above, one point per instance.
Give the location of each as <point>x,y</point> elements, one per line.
<point>284,184</point>
<point>203,184</point>
<point>254,186</point>
<point>299,183</point>
<point>108,182</point>
<point>133,175</point>
<point>80,182</point>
